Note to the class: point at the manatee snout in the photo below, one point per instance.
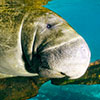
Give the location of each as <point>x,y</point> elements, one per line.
<point>70,59</point>
<point>56,50</point>
<point>66,54</point>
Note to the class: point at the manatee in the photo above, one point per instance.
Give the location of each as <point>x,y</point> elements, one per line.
<point>40,43</point>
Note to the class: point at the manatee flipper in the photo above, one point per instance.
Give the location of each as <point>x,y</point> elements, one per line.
<point>5,75</point>
<point>8,76</point>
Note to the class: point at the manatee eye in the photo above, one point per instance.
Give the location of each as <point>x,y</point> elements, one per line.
<point>49,26</point>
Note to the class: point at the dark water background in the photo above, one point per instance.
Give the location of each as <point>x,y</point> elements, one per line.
<point>84,17</point>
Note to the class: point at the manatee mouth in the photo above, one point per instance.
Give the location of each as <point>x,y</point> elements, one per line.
<point>68,60</point>
<point>51,73</point>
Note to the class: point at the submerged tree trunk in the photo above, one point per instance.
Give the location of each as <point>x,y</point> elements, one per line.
<point>20,88</point>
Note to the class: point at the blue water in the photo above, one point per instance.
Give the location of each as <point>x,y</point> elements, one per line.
<point>68,92</point>
<point>84,17</point>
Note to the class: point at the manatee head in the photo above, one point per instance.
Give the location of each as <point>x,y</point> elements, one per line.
<point>57,49</point>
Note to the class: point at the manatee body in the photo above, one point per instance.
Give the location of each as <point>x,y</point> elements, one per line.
<point>41,43</point>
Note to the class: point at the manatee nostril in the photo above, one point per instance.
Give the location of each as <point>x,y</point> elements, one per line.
<point>83,48</point>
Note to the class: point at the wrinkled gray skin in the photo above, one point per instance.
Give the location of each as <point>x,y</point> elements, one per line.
<point>54,52</point>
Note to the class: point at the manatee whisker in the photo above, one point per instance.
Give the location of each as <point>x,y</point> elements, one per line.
<point>43,31</point>
<point>58,24</point>
<point>59,45</point>
<point>34,40</point>
<point>42,45</point>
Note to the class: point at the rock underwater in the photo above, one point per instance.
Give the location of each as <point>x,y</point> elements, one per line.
<point>17,23</point>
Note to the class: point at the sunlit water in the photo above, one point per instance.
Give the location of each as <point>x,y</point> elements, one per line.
<point>84,17</point>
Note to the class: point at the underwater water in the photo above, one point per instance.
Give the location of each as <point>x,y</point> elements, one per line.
<point>68,92</point>
<point>84,17</point>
